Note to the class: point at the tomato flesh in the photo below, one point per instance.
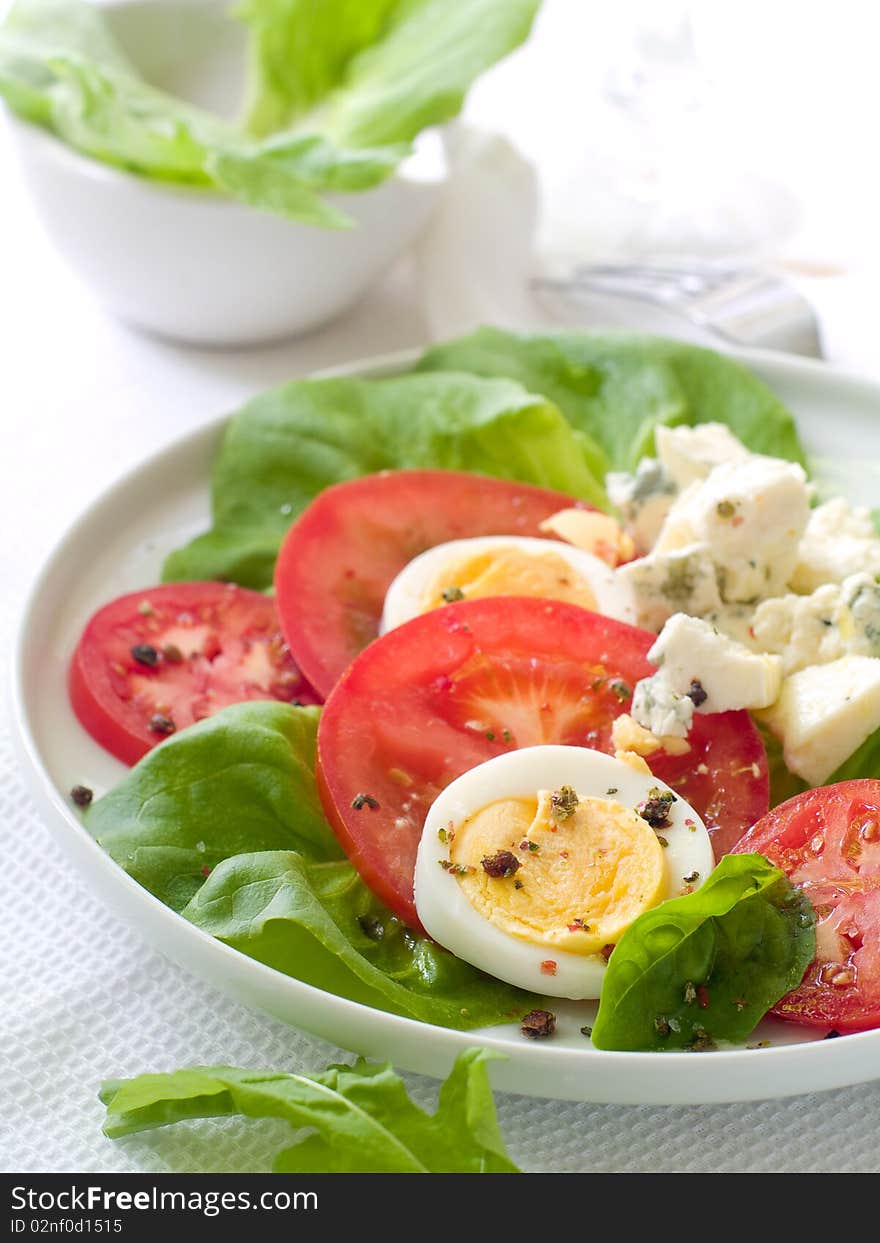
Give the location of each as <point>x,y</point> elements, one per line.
<point>827,841</point>
<point>152,662</point>
<point>452,688</point>
<point>341,555</point>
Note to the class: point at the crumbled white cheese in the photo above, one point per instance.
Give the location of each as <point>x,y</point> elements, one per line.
<point>800,628</point>
<point>735,620</point>
<point>643,500</point>
<point>824,713</point>
<point>839,541</point>
<point>681,581</point>
<point>696,660</point>
<point>691,453</point>
<point>834,621</point>
<point>858,615</point>
<point>660,709</point>
<point>751,516</point>
<point>679,529</point>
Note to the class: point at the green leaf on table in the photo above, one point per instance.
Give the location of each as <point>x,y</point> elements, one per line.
<point>706,967</point>
<point>616,388</point>
<point>289,443</point>
<point>223,823</point>
<point>360,1117</point>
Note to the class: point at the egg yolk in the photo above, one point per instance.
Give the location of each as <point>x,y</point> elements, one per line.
<point>507,571</point>
<point>580,880</point>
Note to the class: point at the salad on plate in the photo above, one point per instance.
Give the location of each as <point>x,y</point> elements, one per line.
<point>542,673</point>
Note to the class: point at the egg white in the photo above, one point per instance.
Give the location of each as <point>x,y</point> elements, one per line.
<point>403,600</point>
<point>447,915</point>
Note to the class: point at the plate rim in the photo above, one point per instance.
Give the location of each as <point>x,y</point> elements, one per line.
<point>531,1069</point>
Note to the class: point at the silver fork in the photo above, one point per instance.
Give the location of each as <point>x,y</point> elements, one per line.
<point>747,306</point>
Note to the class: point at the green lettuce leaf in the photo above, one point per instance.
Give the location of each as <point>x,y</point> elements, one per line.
<point>61,67</point>
<point>288,444</point>
<point>320,923</point>
<point>616,388</point>
<point>239,781</point>
<point>332,108</point>
<point>360,1117</point>
<point>300,51</point>
<point>746,937</point>
<point>223,823</point>
<point>382,70</point>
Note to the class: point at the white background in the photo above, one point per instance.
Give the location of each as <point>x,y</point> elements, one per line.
<point>766,148</point>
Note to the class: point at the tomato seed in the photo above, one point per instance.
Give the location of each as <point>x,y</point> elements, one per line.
<point>869,831</point>
<point>837,975</point>
<point>161,724</point>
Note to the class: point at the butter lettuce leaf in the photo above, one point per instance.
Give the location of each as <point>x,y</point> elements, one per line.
<point>706,967</point>
<point>616,388</point>
<point>360,1118</point>
<point>61,67</point>
<point>320,923</point>
<point>223,823</point>
<point>338,91</point>
<point>239,781</point>
<point>289,443</point>
<point>380,70</point>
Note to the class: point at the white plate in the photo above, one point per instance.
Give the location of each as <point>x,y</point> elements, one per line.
<point>118,545</point>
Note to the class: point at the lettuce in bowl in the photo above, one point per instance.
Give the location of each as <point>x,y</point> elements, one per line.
<point>337,92</point>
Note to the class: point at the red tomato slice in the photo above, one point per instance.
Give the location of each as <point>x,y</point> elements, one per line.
<point>827,841</point>
<point>340,556</point>
<point>456,686</point>
<point>152,662</point>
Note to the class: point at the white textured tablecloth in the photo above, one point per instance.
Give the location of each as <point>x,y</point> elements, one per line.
<point>85,997</point>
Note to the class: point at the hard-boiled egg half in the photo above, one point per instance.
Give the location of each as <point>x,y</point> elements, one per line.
<point>505,565</point>
<point>532,865</point>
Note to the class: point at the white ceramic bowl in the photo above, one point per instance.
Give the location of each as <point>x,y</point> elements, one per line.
<point>187,263</point>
